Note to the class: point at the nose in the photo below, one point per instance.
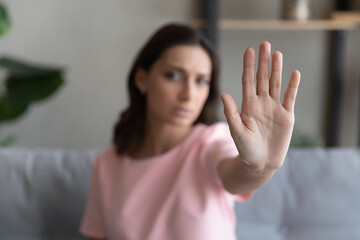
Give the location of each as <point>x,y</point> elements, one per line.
<point>187,91</point>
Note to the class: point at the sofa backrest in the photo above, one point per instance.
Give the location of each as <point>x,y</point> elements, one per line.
<point>314,195</point>
<point>42,192</point>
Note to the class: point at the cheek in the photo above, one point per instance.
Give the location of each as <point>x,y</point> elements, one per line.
<point>159,95</point>
<point>205,93</point>
<point>202,97</point>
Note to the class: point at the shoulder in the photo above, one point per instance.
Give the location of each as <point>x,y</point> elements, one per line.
<point>106,157</point>
<point>219,127</point>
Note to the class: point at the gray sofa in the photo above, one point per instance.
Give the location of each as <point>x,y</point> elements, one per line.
<point>315,195</point>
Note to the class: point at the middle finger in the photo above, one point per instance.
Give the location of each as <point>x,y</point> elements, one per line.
<point>262,75</point>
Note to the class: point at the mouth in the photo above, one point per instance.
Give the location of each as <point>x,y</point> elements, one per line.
<point>182,112</point>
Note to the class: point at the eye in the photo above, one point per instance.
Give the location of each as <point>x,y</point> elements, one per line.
<point>172,75</point>
<point>202,81</point>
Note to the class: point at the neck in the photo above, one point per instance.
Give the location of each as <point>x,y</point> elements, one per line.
<point>160,138</point>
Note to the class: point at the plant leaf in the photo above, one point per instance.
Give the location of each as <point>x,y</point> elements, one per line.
<point>8,141</point>
<point>5,23</point>
<point>31,89</point>
<point>27,83</point>
<point>19,68</point>
<point>9,110</point>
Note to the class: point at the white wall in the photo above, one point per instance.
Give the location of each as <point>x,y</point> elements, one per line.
<point>96,41</point>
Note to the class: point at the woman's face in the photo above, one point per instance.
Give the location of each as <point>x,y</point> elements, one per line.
<point>177,86</point>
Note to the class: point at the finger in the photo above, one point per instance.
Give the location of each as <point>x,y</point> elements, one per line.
<point>262,75</point>
<point>248,76</point>
<point>276,71</point>
<point>291,91</point>
<point>231,113</point>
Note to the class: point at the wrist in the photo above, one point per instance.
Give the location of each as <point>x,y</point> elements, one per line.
<point>256,170</point>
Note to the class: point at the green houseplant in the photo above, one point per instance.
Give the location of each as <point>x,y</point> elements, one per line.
<point>300,139</point>
<point>21,83</point>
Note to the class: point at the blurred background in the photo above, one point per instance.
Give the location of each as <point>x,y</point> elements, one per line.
<point>96,42</point>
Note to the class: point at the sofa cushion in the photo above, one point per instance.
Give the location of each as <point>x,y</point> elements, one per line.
<point>314,195</point>
<point>42,192</point>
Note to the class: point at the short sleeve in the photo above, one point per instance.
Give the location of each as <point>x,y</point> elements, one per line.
<point>93,223</point>
<point>219,146</point>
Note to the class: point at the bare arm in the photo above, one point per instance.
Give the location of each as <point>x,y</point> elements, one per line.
<point>237,178</point>
<point>262,130</point>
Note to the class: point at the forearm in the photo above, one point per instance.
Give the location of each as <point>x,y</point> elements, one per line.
<point>238,178</point>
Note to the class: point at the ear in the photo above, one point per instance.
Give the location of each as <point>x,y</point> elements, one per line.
<point>140,80</point>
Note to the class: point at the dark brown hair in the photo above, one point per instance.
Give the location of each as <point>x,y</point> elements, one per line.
<point>130,129</point>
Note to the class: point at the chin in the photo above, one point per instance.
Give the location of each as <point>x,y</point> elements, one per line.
<point>183,122</point>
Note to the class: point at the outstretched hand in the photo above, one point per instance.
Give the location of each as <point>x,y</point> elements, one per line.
<point>262,131</point>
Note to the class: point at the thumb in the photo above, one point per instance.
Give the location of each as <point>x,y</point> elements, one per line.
<point>231,113</point>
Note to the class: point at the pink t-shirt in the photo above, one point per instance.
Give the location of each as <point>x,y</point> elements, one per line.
<point>175,195</point>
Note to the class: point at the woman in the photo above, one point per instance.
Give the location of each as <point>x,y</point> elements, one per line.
<point>167,174</point>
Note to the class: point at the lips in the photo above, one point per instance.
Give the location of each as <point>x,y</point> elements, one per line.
<point>182,112</point>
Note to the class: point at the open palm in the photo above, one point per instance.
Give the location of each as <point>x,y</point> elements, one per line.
<point>262,131</point>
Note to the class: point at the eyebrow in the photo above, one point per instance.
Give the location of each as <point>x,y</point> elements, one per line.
<point>182,70</point>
